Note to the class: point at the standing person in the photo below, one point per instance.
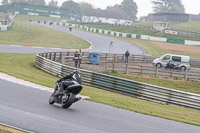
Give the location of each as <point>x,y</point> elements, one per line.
<point>70,28</point>
<point>76,58</point>
<point>126,56</point>
<point>80,59</point>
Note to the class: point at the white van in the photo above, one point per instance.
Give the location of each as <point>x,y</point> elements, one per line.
<point>183,62</point>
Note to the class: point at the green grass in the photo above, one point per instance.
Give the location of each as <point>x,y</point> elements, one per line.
<point>191,26</point>
<point>23,66</point>
<point>142,31</point>
<point>28,34</point>
<point>124,29</point>
<point>151,48</point>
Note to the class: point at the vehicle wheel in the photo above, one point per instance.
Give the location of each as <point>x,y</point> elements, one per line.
<point>159,65</point>
<point>183,68</point>
<point>67,100</point>
<point>51,99</point>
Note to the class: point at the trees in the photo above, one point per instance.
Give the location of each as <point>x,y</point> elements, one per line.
<point>4,2</point>
<point>114,8</point>
<point>85,5</point>
<point>128,6</point>
<point>18,1</point>
<point>53,3</point>
<point>30,2</point>
<point>37,2</point>
<point>168,6</point>
<point>72,6</point>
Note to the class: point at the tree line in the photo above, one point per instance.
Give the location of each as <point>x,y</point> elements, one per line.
<point>128,6</point>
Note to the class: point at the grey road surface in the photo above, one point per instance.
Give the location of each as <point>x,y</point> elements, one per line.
<point>100,43</point>
<point>28,108</point>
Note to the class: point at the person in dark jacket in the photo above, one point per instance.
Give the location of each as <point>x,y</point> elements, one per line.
<point>68,80</point>
<point>126,56</point>
<point>76,58</point>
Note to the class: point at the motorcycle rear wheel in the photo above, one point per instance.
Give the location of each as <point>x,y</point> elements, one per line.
<point>67,100</point>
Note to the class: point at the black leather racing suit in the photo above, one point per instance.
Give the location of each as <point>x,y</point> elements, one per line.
<point>68,80</point>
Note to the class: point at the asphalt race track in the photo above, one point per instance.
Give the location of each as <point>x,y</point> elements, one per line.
<point>27,108</point>
<point>101,43</point>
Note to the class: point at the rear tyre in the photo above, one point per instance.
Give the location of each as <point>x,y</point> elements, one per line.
<point>67,100</point>
<point>183,68</point>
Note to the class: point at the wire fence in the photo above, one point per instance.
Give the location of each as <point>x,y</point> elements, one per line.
<point>137,64</point>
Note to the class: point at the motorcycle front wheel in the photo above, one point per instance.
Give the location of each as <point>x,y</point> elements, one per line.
<point>51,99</point>
<point>67,100</point>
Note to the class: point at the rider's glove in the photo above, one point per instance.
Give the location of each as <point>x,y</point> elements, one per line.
<point>59,80</point>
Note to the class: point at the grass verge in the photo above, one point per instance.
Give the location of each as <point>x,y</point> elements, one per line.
<point>5,129</point>
<point>23,66</point>
<point>151,48</point>
<point>142,31</point>
<point>28,34</point>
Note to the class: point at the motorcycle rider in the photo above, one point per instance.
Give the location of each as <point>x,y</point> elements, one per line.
<point>70,79</point>
<point>170,64</point>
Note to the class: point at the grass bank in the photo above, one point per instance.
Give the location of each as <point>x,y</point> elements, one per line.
<point>5,129</point>
<point>191,26</point>
<point>28,34</point>
<point>23,66</point>
<point>142,31</point>
<point>151,48</point>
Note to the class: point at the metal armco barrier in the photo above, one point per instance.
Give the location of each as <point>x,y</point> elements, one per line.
<point>124,86</point>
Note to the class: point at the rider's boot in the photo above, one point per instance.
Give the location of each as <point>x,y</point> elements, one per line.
<point>77,99</point>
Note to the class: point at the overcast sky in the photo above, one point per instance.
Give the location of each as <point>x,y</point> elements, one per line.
<point>144,6</point>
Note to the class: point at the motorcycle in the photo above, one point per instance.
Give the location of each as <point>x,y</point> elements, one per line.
<point>68,97</point>
<point>172,66</point>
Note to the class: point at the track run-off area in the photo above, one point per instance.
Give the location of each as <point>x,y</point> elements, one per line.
<point>26,106</point>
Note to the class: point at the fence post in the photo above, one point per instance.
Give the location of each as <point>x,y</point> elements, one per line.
<point>61,57</point>
<point>185,75</point>
<point>54,58</point>
<point>106,65</point>
<point>114,57</point>
<point>50,56</point>
<point>141,69</point>
<point>156,74</point>
<point>46,55</point>
<point>133,58</point>
<point>126,68</point>
<point>171,73</point>
<point>113,66</point>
